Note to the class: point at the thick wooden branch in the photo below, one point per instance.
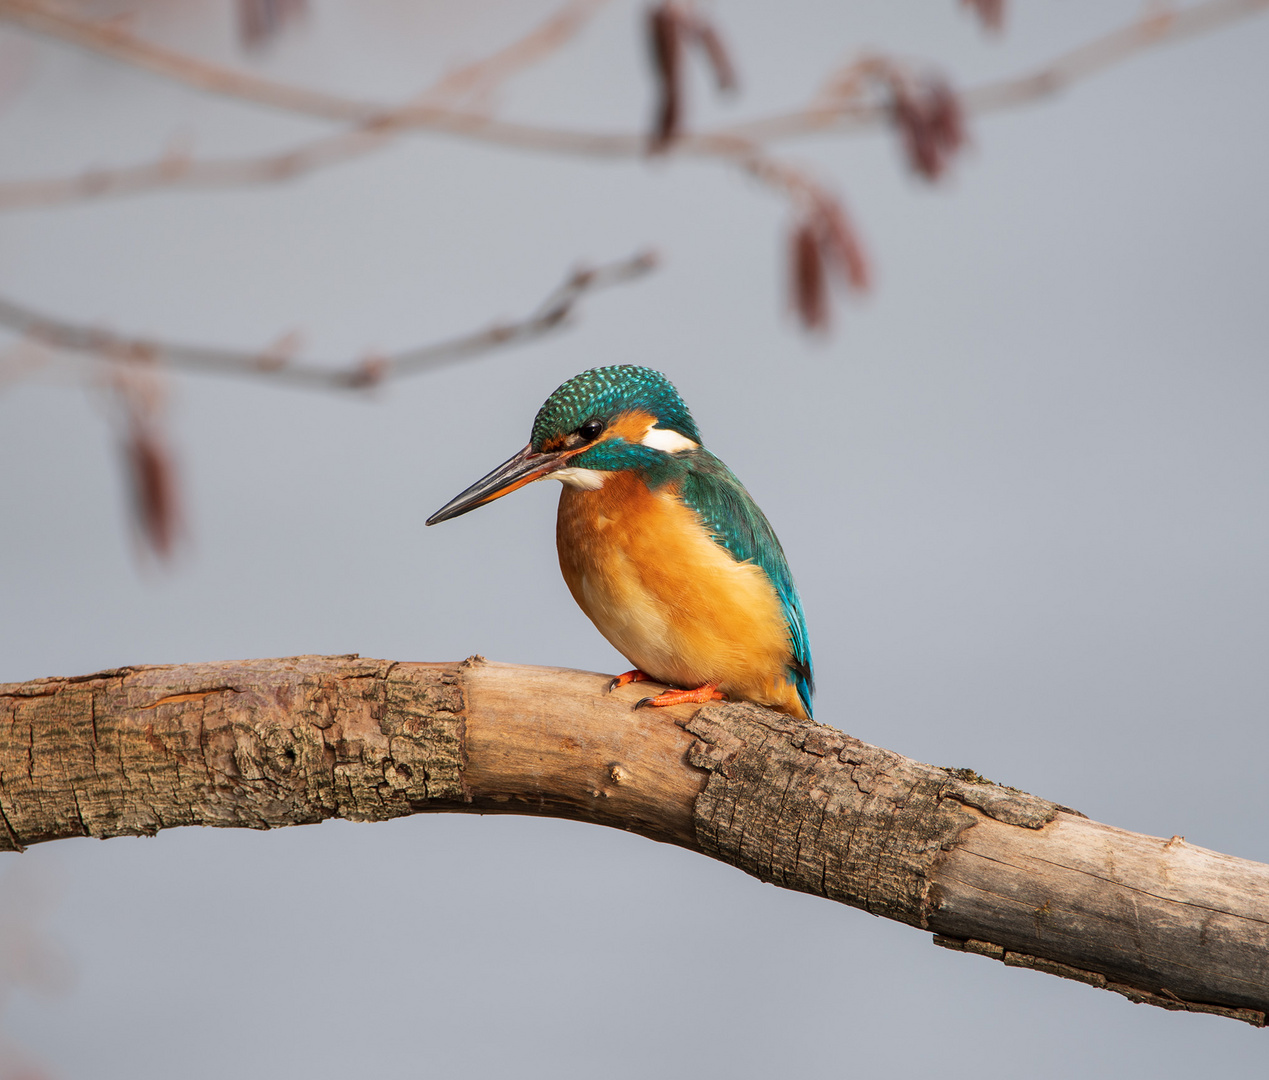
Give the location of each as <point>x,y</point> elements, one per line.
<point>988,869</point>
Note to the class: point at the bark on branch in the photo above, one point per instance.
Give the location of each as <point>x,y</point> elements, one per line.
<point>988,869</point>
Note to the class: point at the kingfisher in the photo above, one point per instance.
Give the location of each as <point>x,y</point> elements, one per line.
<point>660,544</point>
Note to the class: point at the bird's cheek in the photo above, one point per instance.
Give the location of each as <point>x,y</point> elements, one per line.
<point>605,456</point>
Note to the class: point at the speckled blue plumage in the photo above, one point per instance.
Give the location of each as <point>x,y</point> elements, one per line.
<point>605,391</point>
<point>704,483</point>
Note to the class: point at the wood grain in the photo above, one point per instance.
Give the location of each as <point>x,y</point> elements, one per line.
<point>990,870</point>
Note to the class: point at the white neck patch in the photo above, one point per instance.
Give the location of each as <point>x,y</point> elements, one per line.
<point>665,439</point>
<point>586,479</point>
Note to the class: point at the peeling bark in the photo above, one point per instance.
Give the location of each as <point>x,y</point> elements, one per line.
<point>990,870</point>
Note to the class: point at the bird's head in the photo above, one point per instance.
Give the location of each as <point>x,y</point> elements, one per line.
<point>605,420</point>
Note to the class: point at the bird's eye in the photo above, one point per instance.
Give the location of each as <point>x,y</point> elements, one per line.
<point>591,430</point>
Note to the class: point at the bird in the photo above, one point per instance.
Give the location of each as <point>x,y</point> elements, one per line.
<point>660,545</point>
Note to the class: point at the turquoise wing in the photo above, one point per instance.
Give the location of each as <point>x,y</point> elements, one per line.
<point>735,522</point>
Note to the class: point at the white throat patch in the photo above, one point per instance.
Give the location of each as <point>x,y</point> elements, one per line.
<point>665,439</point>
<point>586,479</point>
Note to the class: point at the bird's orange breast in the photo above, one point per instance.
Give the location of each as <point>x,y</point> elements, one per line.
<point>677,605</point>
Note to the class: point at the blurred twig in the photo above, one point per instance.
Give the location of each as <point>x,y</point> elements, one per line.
<point>1155,27</point>
<point>115,40</point>
<point>474,81</point>
<point>177,169</point>
<point>274,363</point>
<point>377,121</point>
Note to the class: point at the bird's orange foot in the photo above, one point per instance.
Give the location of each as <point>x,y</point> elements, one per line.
<point>708,692</point>
<point>625,680</point>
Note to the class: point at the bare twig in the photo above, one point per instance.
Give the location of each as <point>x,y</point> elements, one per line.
<point>849,105</point>
<point>378,122</point>
<point>274,363</point>
<point>1153,28</point>
<point>177,169</point>
<point>116,42</point>
<point>474,81</point>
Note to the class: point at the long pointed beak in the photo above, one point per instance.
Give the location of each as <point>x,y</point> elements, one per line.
<point>514,473</point>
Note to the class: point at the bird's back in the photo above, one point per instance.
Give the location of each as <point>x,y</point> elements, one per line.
<point>731,516</point>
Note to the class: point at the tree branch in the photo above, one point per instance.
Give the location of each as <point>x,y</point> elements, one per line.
<point>367,371</point>
<point>1152,29</point>
<point>376,123</point>
<point>989,869</point>
<point>116,41</point>
<point>177,169</point>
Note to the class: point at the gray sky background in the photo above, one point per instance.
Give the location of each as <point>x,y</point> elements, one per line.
<point>1023,489</point>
